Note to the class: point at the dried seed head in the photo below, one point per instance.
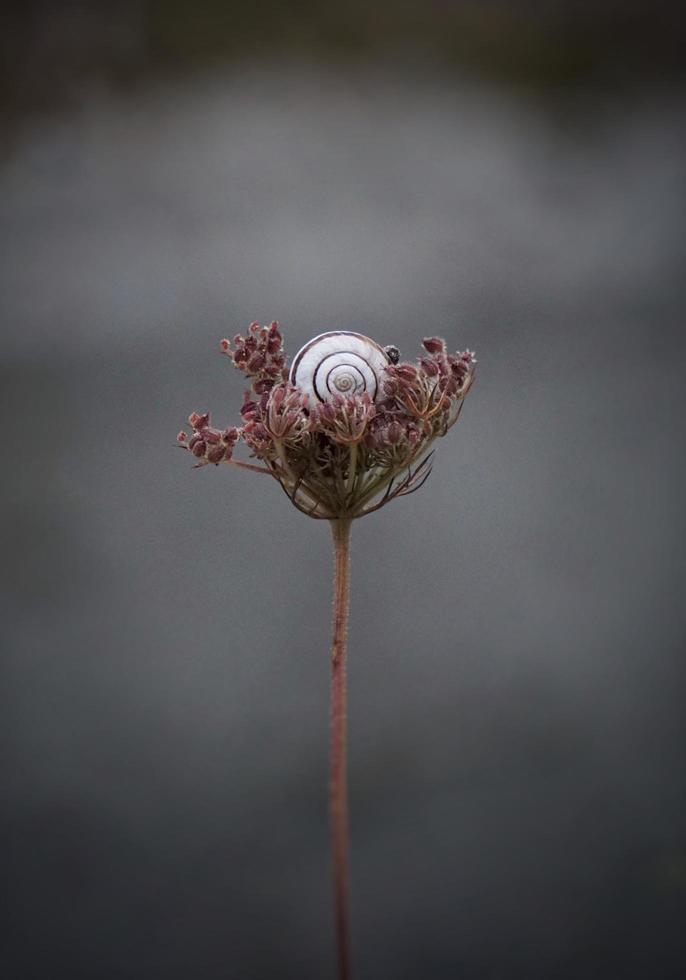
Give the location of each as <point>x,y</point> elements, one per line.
<point>259,355</point>
<point>350,430</point>
<point>344,419</point>
<point>207,444</point>
<point>285,413</point>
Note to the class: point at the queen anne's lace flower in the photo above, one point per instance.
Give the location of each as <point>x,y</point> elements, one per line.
<point>349,451</point>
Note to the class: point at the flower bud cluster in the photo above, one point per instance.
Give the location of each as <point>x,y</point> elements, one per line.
<point>393,438</point>
<point>207,444</point>
<point>260,355</point>
<point>344,418</point>
<point>277,418</point>
<point>430,391</point>
<point>454,373</point>
<point>286,417</point>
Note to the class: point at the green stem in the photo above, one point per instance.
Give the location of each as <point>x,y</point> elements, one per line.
<point>338,786</point>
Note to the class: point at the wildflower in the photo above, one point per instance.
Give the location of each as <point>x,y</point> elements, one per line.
<point>349,428</point>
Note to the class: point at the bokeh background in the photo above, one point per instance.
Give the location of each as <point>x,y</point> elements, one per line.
<point>506,174</point>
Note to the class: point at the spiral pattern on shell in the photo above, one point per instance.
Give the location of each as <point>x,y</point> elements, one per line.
<point>340,362</point>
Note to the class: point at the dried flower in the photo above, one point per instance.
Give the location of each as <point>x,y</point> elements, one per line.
<point>350,429</point>
<point>345,431</point>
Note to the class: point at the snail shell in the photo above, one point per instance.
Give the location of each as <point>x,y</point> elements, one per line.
<point>340,362</point>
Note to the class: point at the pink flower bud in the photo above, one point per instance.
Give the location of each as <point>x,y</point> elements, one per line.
<point>430,368</point>
<point>255,363</point>
<point>216,454</point>
<point>249,408</point>
<point>407,372</point>
<point>277,397</point>
<point>434,345</point>
<point>198,421</point>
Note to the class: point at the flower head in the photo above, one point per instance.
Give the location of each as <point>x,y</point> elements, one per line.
<point>348,428</point>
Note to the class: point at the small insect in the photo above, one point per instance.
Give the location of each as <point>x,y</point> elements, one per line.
<point>392,353</point>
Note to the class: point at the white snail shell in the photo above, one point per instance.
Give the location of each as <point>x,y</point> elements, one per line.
<point>339,362</point>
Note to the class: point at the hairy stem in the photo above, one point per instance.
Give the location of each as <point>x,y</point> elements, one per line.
<point>338,787</point>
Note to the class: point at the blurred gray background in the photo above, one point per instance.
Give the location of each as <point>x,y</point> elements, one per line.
<point>507,175</point>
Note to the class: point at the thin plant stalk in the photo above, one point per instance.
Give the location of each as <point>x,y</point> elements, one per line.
<point>338,786</point>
